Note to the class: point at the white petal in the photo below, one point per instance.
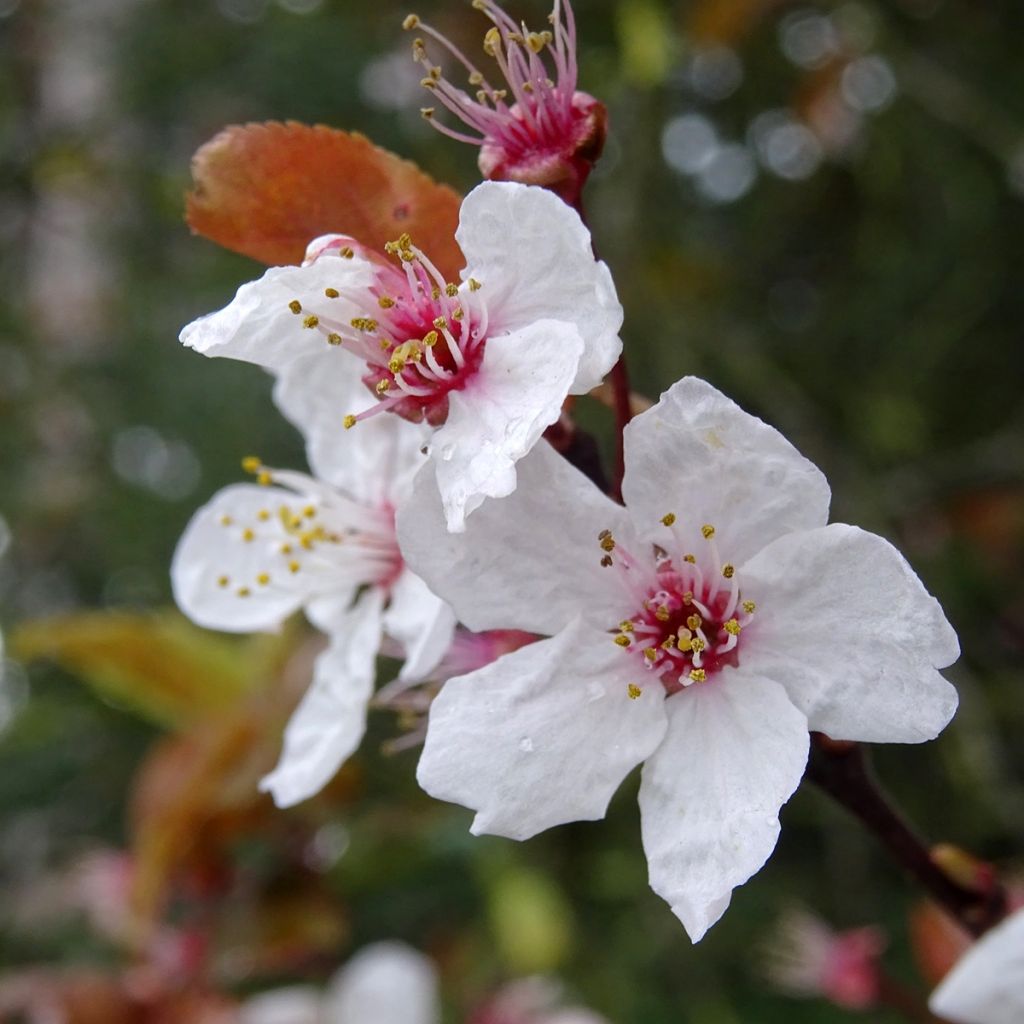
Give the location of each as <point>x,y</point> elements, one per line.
<point>533,255</point>
<point>846,626</point>
<point>530,561</point>
<point>213,548</point>
<point>987,984</point>
<point>386,983</point>
<point>421,622</point>
<point>542,736</point>
<point>501,414</point>
<point>330,720</point>
<point>376,460</point>
<point>297,1004</point>
<point>710,795</point>
<point>258,327</point>
<point>698,454</point>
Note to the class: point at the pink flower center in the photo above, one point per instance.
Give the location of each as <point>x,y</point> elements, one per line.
<point>690,613</point>
<point>420,336</point>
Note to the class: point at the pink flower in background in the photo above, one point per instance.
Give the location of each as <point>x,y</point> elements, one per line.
<point>486,362</point>
<point>807,958</point>
<point>257,553</point>
<point>987,984</point>
<point>536,128</point>
<point>704,629</point>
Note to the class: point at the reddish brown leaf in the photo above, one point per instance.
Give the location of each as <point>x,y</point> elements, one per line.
<point>266,190</point>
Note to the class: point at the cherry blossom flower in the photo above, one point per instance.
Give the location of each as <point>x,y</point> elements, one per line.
<point>486,362</point>
<point>705,628</point>
<point>538,129</point>
<point>807,958</point>
<point>987,984</point>
<point>386,983</point>
<point>257,553</point>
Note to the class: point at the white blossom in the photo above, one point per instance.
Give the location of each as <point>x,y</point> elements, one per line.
<point>487,361</point>
<point>704,629</point>
<point>986,986</point>
<point>257,553</point>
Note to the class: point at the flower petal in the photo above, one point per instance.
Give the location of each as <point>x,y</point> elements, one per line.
<point>846,626</point>
<point>501,414</point>
<point>330,720</point>
<point>422,623</point>
<point>222,556</point>
<point>542,736</point>
<point>386,983</point>
<point>987,984</point>
<point>710,795</point>
<point>374,464</point>
<point>530,561</point>
<point>698,454</point>
<point>257,326</point>
<point>533,255</point>
<point>296,1004</point>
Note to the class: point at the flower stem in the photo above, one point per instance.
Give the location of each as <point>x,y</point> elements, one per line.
<point>843,771</point>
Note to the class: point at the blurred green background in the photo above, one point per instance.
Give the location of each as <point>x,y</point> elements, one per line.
<point>818,207</point>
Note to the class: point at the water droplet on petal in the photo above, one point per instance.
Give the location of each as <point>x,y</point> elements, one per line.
<point>447,452</point>
<point>526,745</point>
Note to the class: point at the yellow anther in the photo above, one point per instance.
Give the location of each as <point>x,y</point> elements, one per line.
<point>226,520</point>
<point>634,691</point>
<point>668,519</point>
<point>383,386</point>
<point>364,323</point>
<point>428,83</point>
<point>451,290</point>
<point>698,675</point>
<point>349,421</point>
<point>293,566</point>
<point>346,252</point>
<point>749,607</point>
<point>243,591</point>
<point>396,364</point>
<point>311,321</point>
<point>411,21</point>
<point>334,338</point>
<point>309,511</point>
<point>427,112</point>
<point>286,549</point>
<point>651,653</point>
<point>294,522</point>
<point>697,645</point>
<point>492,42</point>
<point>684,643</point>
<point>688,597</point>
<point>223,581</point>
<point>662,614</point>
<point>263,515</point>
<point>435,293</point>
<point>474,285</point>
<point>307,540</point>
<point>430,339</point>
<point>295,306</point>
<point>248,535</point>
<point>708,531</point>
<point>728,570</point>
<point>252,464</point>
<point>732,627</point>
<point>385,344</point>
<point>386,302</point>
<point>331,293</point>
<point>622,640</point>
<point>668,643</point>
<point>694,621</point>
<point>475,78</point>
<point>692,559</point>
<point>607,561</point>
<point>608,543</point>
<point>440,323</point>
<point>263,478</point>
<point>537,41</point>
<point>263,579</point>
<point>626,626</point>
<point>458,314</point>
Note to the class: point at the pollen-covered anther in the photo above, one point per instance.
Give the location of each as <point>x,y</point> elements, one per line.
<point>707,531</point>
<point>248,535</point>
<point>441,323</point>
<point>311,321</point>
<point>410,22</point>
<point>622,640</point>
<point>263,579</point>
<point>728,570</point>
<point>749,607</point>
<point>293,567</point>
<point>690,559</point>
<point>386,302</point>
<point>347,252</point>
<point>252,464</point>
<point>243,592</point>
<point>626,626</point>
<point>295,306</point>
<point>651,653</point>
<point>331,293</point>
<point>474,285</point>
<point>430,339</point>
<point>365,324</point>
<point>263,478</point>
<point>668,643</point>
<point>334,338</point>
<point>662,614</point>
<point>263,515</point>
<point>694,622</point>
<point>383,386</point>
<point>697,645</point>
<point>634,691</point>
<point>606,540</point>
<point>226,520</point>
<point>607,561</point>
<point>732,627</point>
<point>698,675</point>
<point>451,290</point>
<point>668,518</point>
<point>223,581</point>
<point>349,421</point>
